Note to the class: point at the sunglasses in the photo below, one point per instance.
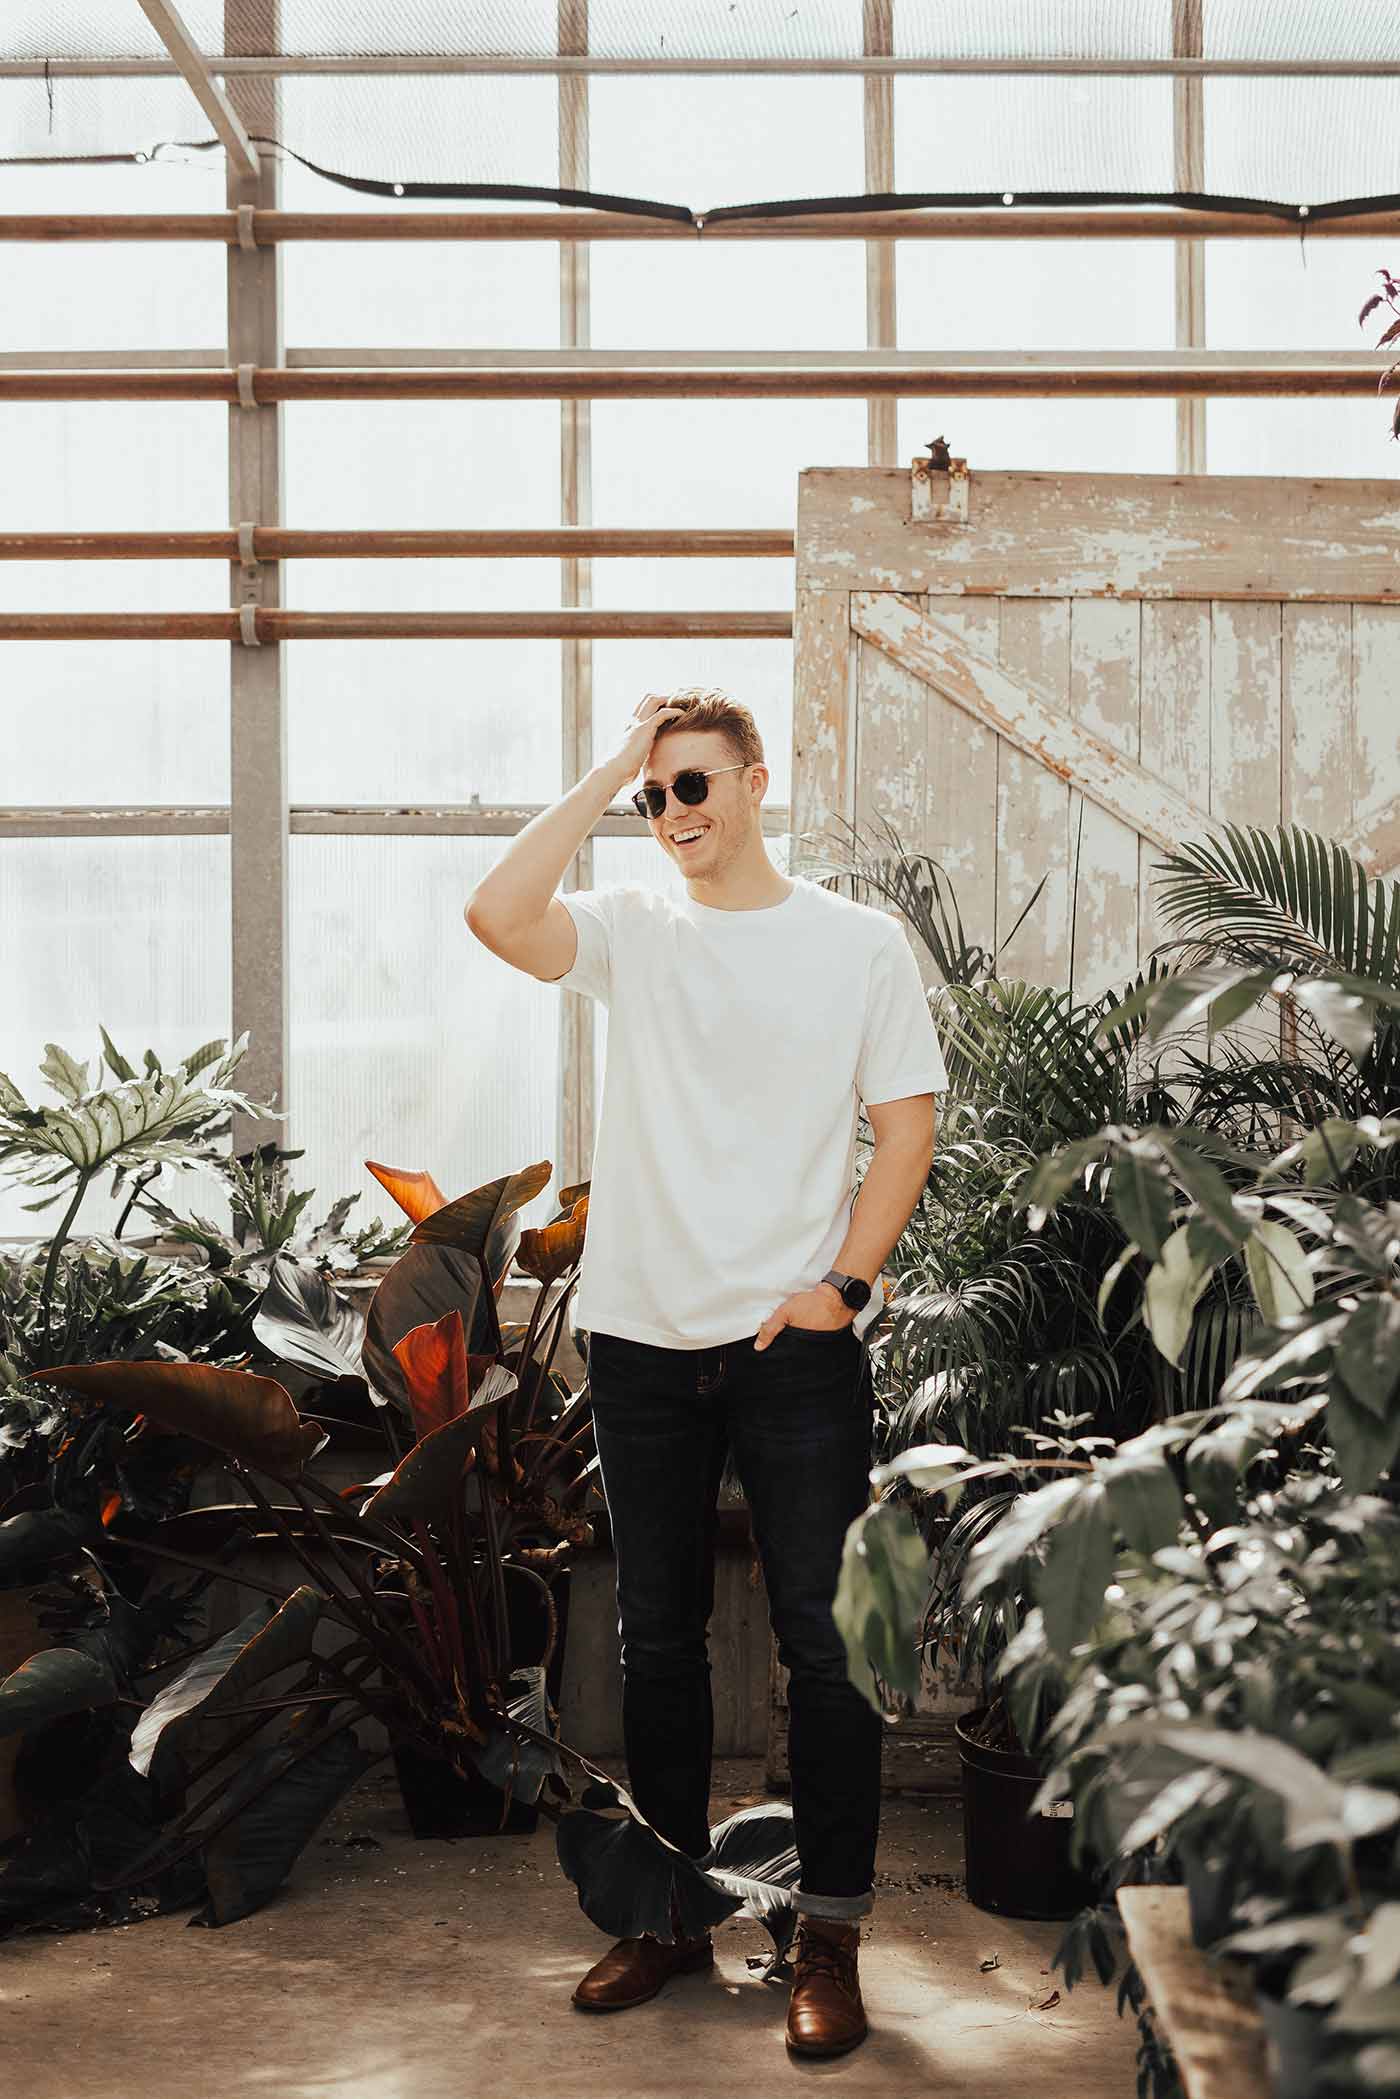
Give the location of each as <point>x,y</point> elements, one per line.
<point>689,787</point>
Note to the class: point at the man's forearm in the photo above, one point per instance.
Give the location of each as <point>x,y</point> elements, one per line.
<point>517,890</point>
<point>885,1201</point>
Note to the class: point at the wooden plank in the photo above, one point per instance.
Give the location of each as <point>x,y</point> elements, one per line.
<point>1375,677</point>
<point>1316,717</point>
<point>1205,2008</point>
<point>1174,737</point>
<point>891,743</point>
<point>1246,758</point>
<point>1026,713</point>
<point>1105,648</point>
<point>961,768</point>
<point>823,721</point>
<point>1033,804</point>
<point>1110,535</point>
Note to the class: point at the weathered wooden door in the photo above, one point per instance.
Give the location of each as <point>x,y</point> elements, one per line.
<point>1060,675</point>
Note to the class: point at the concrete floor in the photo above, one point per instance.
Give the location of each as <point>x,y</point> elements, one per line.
<point>390,1969</point>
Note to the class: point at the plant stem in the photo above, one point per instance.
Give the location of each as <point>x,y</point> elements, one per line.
<point>46,1287</point>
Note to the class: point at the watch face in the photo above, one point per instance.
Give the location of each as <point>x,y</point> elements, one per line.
<point>856,1292</point>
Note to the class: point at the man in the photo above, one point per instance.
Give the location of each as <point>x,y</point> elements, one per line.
<point>727,1281</point>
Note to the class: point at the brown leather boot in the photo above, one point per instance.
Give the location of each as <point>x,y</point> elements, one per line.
<point>825,2014</point>
<point>635,1969</point>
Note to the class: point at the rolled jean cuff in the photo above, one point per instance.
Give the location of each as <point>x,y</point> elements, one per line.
<point>841,1909</point>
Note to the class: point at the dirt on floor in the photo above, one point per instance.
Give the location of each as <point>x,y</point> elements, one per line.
<point>391,1968</point>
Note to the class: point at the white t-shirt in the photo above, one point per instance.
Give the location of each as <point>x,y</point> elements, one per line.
<point>740,1044</point>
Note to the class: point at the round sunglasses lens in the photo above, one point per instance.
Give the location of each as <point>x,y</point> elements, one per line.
<point>690,788</point>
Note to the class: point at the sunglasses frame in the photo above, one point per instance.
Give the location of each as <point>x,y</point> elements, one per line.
<point>641,800</point>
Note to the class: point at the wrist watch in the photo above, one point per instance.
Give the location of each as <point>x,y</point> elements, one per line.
<point>853,1290</point>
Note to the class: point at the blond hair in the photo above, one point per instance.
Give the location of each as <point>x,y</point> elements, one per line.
<point>709,708</point>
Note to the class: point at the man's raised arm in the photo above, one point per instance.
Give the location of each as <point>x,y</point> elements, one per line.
<point>514,910</point>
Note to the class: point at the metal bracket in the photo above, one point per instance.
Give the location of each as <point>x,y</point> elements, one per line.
<point>246,397</point>
<point>939,493</point>
<point>246,237</point>
<point>248,627</point>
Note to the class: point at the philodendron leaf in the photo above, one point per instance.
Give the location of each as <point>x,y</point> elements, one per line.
<point>58,1680</point>
<point>1175,1285</point>
<point>1279,1274</point>
<point>1078,1566</point>
<point>287,1799</point>
<point>417,1194</point>
<point>516,1766</point>
<point>265,1643</point>
<point>250,1417</point>
<point>631,1883</point>
<point>37,1540</point>
<point>424,1484</point>
<point>64,1073</point>
<point>551,1250</point>
<point>303,1320</point>
<point>881,1597</point>
<point>755,1857</point>
<point>485,1222</point>
<point>422,1286</point>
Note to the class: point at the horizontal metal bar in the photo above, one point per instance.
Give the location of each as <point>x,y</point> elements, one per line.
<point>451,358</point>
<point>1012,222</point>
<point>459,819</point>
<point>277,625</point>
<point>1152,377</point>
<point>112,360</point>
<point>284,543</point>
<point>287,64</point>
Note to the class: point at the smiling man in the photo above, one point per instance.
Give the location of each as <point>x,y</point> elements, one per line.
<point>728,1280</point>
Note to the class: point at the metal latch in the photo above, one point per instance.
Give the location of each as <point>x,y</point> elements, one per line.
<point>940,485</point>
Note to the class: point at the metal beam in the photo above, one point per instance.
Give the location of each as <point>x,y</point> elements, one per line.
<point>283,65</point>
<point>191,63</point>
<point>1189,256</point>
<point>881,415</point>
<point>358,820</point>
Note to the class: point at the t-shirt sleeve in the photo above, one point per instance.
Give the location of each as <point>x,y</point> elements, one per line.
<point>591,971</point>
<point>900,1052</point>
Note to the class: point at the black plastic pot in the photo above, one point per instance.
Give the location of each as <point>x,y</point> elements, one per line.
<point>1018,1864</point>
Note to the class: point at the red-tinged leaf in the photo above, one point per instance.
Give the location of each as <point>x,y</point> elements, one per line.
<point>250,1417</point>
<point>422,1285</point>
<point>484,1222</point>
<point>552,1249</point>
<point>424,1483</point>
<point>417,1194</point>
<point>437,1371</point>
<point>1376,299</point>
<point>1390,334</point>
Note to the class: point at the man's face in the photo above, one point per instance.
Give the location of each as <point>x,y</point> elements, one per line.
<point>703,840</point>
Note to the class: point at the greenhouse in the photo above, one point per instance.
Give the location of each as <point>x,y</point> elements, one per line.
<point>700,1083</point>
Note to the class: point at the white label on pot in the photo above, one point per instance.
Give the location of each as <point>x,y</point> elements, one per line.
<point>1059,1810</point>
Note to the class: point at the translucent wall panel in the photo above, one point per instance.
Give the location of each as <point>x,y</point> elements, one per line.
<point>715,462</point>
<point>728,295</point>
<point>710,141</point>
<point>129,933</point>
<point>421,294</point>
<point>133,721</point>
<point>114,295</point>
<point>1034,295</point>
<point>1046,436</point>
<point>411,1043</point>
<point>423,720</point>
<point>1298,295</point>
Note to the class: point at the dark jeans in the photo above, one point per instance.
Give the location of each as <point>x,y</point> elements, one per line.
<point>797,1417</point>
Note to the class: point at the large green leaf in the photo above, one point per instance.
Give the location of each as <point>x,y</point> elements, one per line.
<point>1078,1566</point>
<point>1141,1195</point>
<point>36,1541</point>
<point>631,1883</point>
<point>1368,1352</point>
<point>1366,1443</point>
<point>881,1595</point>
<point>1316,1809</point>
<point>755,1856</point>
<point>1025,1523</point>
<point>250,1417</point>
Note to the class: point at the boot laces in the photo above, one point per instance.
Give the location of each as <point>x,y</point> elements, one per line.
<point>818,1955</point>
